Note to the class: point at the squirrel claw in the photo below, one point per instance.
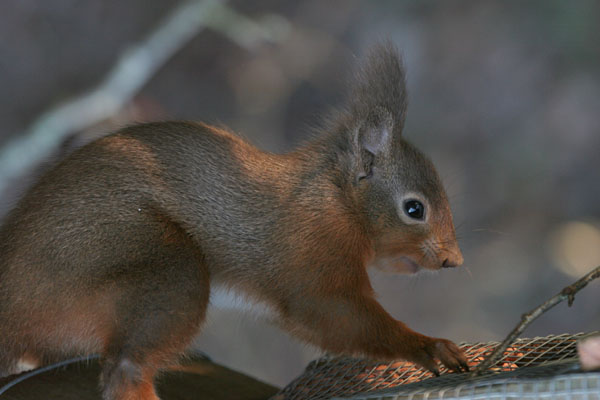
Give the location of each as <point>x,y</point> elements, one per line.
<point>451,356</point>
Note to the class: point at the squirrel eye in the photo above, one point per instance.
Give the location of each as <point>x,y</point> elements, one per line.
<point>414,209</point>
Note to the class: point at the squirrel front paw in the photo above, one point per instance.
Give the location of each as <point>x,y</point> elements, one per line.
<point>432,349</point>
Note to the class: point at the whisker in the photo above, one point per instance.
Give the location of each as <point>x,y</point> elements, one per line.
<point>422,258</point>
<point>468,270</point>
<point>489,230</point>
<point>459,226</point>
<point>440,243</point>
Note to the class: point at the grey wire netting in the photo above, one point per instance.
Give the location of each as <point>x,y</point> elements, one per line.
<point>556,380</point>
<point>343,377</point>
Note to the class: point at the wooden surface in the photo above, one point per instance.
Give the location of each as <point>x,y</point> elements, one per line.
<point>194,379</point>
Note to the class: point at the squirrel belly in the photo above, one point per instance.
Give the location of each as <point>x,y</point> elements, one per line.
<point>118,249</point>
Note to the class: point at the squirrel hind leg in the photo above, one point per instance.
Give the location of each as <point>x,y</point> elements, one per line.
<point>125,379</point>
<point>8,364</point>
<point>17,366</point>
<point>26,363</point>
<point>14,360</point>
<point>7,360</point>
<point>134,358</point>
<point>157,319</point>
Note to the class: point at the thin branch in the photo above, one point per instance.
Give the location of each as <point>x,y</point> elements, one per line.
<point>132,71</point>
<point>568,293</point>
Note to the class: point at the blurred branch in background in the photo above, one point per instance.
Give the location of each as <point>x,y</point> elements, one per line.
<point>130,73</point>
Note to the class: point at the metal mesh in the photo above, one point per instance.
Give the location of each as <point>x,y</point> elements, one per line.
<point>556,380</point>
<point>335,377</point>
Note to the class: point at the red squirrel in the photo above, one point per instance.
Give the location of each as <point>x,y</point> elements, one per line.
<point>114,250</point>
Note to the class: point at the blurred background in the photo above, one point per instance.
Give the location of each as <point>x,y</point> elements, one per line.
<point>504,97</point>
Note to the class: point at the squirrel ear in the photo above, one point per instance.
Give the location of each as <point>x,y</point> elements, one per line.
<point>373,139</point>
<point>376,107</point>
<point>379,90</point>
<point>376,134</point>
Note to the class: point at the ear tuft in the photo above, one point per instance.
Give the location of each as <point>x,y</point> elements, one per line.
<point>375,110</point>
<point>380,88</point>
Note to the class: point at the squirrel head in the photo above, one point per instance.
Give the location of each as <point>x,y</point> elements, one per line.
<point>396,188</point>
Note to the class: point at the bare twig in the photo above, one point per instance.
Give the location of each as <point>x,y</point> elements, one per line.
<point>131,72</point>
<point>568,293</point>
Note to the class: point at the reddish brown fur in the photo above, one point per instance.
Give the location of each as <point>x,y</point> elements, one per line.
<point>114,250</point>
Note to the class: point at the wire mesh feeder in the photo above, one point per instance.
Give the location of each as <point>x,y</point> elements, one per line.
<point>550,356</point>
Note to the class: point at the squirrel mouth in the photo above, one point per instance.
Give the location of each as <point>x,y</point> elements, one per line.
<point>407,265</point>
<point>399,265</point>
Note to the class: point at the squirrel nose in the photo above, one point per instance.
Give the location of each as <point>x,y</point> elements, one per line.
<point>453,261</point>
<point>448,264</point>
